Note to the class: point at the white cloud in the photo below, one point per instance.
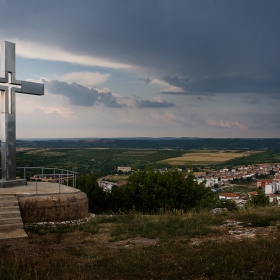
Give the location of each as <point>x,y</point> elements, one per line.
<point>35,50</point>
<point>166,86</point>
<point>227,124</point>
<point>41,80</point>
<point>87,79</point>
<point>47,103</point>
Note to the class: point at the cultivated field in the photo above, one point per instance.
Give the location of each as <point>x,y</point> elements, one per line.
<point>120,178</point>
<point>87,161</point>
<point>206,157</point>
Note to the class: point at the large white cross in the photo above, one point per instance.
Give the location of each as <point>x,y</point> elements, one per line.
<point>8,87</point>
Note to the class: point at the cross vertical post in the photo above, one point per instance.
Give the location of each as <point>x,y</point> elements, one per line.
<point>8,87</point>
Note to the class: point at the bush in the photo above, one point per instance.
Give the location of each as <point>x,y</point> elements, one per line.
<point>226,203</point>
<point>259,200</point>
<point>152,192</point>
<point>96,195</point>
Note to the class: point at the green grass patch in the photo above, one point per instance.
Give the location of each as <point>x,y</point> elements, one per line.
<point>62,229</point>
<point>258,217</point>
<point>76,255</point>
<point>166,225</point>
<point>241,260</point>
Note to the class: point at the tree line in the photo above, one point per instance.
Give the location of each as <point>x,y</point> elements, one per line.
<point>148,192</point>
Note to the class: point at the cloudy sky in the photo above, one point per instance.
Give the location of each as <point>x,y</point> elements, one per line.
<point>130,68</point>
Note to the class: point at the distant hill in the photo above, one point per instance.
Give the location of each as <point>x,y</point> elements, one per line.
<point>184,143</point>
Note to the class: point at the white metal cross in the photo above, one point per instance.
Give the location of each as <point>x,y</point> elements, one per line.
<point>8,87</point>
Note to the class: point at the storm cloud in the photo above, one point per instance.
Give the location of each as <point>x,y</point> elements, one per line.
<point>215,61</point>
<point>153,104</point>
<point>269,83</point>
<point>146,80</point>
<point>79,95</point>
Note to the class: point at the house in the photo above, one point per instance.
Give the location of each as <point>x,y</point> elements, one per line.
<point>273,198</point>
<point>272,187</point>
<point>209,181</point>
<point>250,194</point>
<point>261,183</point>
<point>124,169</point>
<point>232,196</point>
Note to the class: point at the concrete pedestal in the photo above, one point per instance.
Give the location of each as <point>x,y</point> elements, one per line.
<point>13,183</point>
<point>48,202</point>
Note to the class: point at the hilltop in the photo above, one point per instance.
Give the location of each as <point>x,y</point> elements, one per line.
<point>156,143</point>
<point>176,245</point>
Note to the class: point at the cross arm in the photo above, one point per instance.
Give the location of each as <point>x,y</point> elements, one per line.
<point>31,88</point>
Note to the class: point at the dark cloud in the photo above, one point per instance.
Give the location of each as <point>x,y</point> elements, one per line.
<point>269,83</point>
<point>251,101</point>
<point>173,37</point>
<point>153,104</point>
<point>79,95</point>
<point>146,80</point>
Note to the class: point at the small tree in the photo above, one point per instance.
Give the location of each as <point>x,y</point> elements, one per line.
<point>227,203</point>
<point>150,191</point>
<point>95,193</point>
<point>259,200</point>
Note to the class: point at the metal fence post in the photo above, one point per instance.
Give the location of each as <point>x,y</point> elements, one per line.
<point>36,185</point>
<point>59,182</point>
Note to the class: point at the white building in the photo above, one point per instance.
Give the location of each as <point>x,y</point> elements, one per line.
<point>124,169</point>
<point>272,187</point>
<point>209,182</point>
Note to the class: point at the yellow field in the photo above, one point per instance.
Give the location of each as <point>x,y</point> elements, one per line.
<point>206,157</point>
<point>120,178</point>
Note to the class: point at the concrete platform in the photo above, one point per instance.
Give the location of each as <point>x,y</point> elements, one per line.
<point>43,188</point>
<point>44,202</point>
<point>18,233</point>
<point>13,183</point>
<point>48,202</point>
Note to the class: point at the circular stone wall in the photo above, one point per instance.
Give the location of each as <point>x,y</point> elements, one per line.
<point>53,207</point>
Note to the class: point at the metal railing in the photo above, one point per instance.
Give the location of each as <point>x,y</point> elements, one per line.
<point>59,179</point>
<point>48,174</point>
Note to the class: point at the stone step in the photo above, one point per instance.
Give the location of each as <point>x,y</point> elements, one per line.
<point>8,198</point>
<point>17,233</point>
<point>9,208</point>
<point>9,227</point>
<point>10,221</point>
<point>10,214</point>
<point>8,203</point>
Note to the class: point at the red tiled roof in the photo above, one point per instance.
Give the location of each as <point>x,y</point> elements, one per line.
<point>253,193</point>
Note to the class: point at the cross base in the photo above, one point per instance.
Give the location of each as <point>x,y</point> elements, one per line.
<point>13,183</point>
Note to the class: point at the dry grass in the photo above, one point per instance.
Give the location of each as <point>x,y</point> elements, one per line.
<point>134,246</point>
<point>206,157</point>
<point>41,152</point>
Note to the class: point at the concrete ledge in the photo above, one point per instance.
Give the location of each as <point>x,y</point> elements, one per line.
<point>53,207</point>
<point>12,183</point>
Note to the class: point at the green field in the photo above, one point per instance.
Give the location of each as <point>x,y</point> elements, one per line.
<point>105,161</point>
<point>99,161</point>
